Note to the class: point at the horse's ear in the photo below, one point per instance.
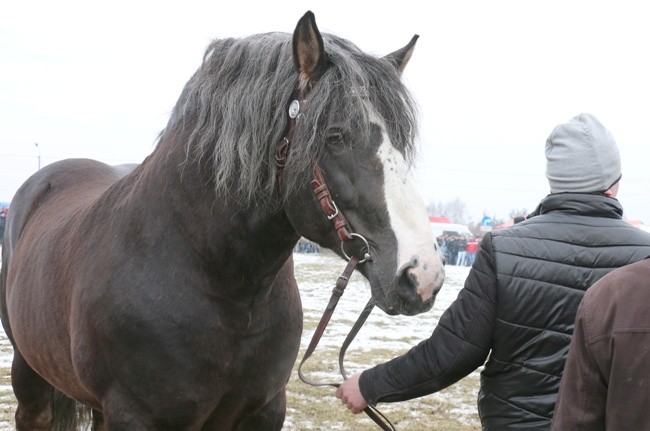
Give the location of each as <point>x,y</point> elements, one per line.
<point>402,56</point>
<point>308,50</point>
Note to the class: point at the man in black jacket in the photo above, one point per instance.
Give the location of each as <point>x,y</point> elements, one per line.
<point>520,298</point>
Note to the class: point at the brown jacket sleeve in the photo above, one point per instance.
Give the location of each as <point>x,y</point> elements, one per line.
<point>582,396</point>
<point>605,383</point>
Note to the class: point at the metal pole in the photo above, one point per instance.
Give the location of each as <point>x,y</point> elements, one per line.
<point>38,150</point>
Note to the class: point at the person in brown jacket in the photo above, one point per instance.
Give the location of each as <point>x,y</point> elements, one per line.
<point>606,380</point>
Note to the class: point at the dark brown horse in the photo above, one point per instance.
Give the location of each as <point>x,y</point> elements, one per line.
<point>163,297</point>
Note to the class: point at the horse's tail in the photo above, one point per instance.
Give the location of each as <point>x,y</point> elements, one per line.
<point>68,414</point>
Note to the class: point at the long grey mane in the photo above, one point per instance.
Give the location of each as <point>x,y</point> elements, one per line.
<point>234,110</point>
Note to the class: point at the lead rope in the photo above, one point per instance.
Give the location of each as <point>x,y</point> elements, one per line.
<point>372,412</point>
<point>337,292</point>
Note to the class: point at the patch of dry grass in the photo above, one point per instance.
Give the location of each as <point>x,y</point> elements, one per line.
<point>7,400</point>
<point>316,408</point>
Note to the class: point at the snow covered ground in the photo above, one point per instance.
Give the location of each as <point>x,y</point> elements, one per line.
<point>381,338</point>
<point>316,275</point>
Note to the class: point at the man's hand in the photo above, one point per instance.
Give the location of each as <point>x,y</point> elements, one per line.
<point>350,394</point>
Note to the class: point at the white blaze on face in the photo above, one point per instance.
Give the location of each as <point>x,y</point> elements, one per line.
<point>410,222</point>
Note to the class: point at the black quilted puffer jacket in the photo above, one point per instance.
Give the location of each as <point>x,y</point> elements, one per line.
<point>518,307</point>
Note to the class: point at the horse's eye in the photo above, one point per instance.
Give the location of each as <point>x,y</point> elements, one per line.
<point>335,136</point>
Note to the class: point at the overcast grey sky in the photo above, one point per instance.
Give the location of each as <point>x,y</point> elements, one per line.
<point>492,79</point>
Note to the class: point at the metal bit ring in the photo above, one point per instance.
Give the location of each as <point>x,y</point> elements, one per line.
<point>366,256</point>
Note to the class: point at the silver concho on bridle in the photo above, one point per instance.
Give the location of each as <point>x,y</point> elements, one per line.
<point>294,109</point>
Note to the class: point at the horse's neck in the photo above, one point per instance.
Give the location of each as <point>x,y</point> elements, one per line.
<point>253,241</point>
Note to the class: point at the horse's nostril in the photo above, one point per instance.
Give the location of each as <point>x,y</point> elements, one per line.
<point>408,283</point>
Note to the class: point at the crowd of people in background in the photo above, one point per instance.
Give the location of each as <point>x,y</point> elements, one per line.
<point>306,246</point>
<point>459,250</point>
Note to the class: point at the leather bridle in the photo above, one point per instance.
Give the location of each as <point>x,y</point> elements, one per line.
<point>346,235</point>
<point>318,184</point>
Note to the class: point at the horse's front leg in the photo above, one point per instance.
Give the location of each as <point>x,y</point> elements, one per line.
<point>98,421</point>
<point>34,396</point>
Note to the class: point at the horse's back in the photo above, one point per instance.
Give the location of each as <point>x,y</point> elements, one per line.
<point>62,187</point>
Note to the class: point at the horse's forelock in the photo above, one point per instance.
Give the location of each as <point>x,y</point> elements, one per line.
<point>234,109</point>
<point>356,87</point>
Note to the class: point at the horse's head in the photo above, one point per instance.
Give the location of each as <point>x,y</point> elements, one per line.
<point>356,123</point>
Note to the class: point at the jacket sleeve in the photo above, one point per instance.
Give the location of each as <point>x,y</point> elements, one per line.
<point>583,394</point>
<point>458,345</point>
